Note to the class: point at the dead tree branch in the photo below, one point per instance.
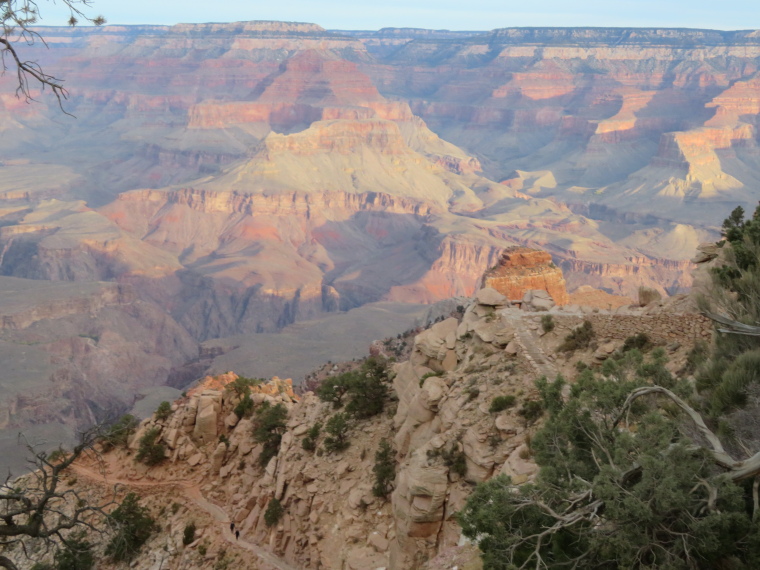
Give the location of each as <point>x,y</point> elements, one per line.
<point>737,469</point>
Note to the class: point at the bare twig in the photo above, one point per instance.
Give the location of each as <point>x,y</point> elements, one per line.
<point>16,20</point>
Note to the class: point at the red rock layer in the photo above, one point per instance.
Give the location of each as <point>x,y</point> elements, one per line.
<point>522,269</point>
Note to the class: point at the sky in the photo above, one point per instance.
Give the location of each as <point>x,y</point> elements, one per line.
<point>431,14</point>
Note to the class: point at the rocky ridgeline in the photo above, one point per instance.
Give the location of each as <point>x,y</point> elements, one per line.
<point>446,434</point>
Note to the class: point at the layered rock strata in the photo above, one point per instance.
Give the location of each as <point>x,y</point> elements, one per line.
<point>520,270</point>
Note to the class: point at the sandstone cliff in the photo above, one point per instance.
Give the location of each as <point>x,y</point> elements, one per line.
<point>521,269</point>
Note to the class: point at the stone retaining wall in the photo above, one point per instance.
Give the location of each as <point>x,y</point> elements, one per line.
<point>686,327</point>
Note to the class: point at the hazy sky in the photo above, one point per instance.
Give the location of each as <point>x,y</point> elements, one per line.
<point>437,14</point>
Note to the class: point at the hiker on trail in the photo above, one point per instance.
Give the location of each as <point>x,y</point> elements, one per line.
<point>232,527</point>
<point>237,534</point>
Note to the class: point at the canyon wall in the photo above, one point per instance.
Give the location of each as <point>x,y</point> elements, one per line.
<point>246,176</point>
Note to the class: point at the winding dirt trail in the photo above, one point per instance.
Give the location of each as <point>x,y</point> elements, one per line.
<point>192,491</point>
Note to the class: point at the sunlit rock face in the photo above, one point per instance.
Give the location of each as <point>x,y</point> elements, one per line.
<point>521,269</point>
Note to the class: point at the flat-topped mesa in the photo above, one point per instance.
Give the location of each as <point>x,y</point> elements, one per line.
<point>522,269</point>
<point>258,27</point>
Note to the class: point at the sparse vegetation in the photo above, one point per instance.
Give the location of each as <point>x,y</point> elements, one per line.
<point>639,341</point>
<point>274,512</point>
<point>384,469</point>
<point>76,554</point>
<point>731,391</point>
<point>242,385</point>
<point>501,403</point>
<point>164,411</point>
<point>133,526</point>
<point>334,389</point>
<point>337,427</point>
<point>531,411</point>
<point>454,458</point>
<point>118,434</point>
<point>366,389</point>
<point>695,358</point>
<point>547,323</point>
<point>244,408</point>
<point>188,535</point>
<point>309,442</point>
<point>578,339</point>
<point>151,452</point>
<point>428,375</point>
<point>268,428</point>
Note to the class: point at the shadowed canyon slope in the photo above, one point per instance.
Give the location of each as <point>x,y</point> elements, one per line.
<point>230,179</point>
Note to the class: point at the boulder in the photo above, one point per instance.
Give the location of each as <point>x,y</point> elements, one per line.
<point>217,458</point>
<point>706,252</point>
<point>432,342</point>
<point>491,297</point>
<point>520,466</point>
<point>209,406</point>
<point>537,300</point>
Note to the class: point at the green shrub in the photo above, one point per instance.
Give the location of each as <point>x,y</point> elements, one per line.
<point>309,442</point>
<point>335,388</point>
<point>188,536</point>
<point>202,549</point>
<point>547,323</point>
<point>268,427</point>
<point>242,385</point>
<point>366,389</point>
<point>368,395</point>
<point>133,527</point>
<point>695,358</point>
<point>150,451</point>
<point>639,341</point>
<point>454,458</point>
<point>384,470</point>
<point>501,403</point>
<point>164,411</point>
<point>244,407</point>
<point>579,338</point>
<point>337,427</point>
<point>531,411</point>
<point>472,393</point>
<point>274,513</point>
<point>428,375</point>
<point>118,434</point>
<point>76,555</point>
<point>639,493</point>
<point>731,392</point>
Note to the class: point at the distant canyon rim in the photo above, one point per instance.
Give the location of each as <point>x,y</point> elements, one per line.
<point>222,183</point>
